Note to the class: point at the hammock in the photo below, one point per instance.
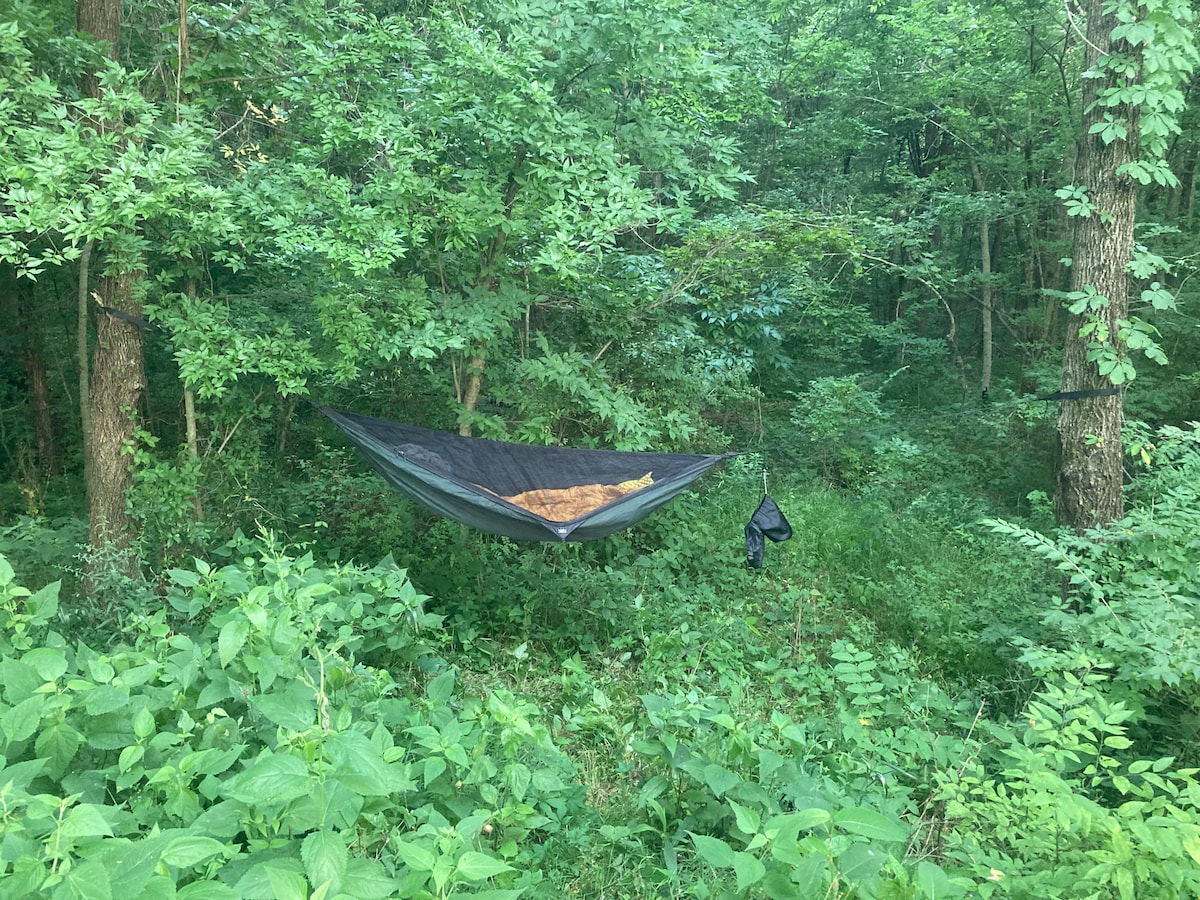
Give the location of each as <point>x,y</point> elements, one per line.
<point>519,490</point>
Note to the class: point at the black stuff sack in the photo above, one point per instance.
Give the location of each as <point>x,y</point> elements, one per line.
<point>768,521</point>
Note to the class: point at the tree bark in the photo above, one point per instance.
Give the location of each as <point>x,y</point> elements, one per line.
<point>17,307</point>
<point>1088,489</point>
<point>118,380</point>
<point>81,358</point>
<point>102,20</point>
<point>118,377</point>
<point>989,296</point>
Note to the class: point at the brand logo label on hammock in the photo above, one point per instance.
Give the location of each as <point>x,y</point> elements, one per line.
<point>563,530</point>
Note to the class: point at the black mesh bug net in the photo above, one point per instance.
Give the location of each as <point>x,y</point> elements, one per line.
<point>519,490</point>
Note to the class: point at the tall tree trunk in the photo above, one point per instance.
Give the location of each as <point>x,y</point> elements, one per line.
<point>41,407</point>
<point>118,377</point>
<point>1090,466</point>
<point>989,295</point>
<point>102,20</point>
<point>118,381</point>
<point>17,307</point>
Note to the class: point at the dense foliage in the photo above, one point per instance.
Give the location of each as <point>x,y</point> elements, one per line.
<point>856,241</point>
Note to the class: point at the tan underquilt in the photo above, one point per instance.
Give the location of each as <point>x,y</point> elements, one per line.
<point>565,504</point>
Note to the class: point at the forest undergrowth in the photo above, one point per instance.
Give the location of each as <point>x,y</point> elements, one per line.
<point>897,704</point>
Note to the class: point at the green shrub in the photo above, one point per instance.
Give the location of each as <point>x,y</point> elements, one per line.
<point>240,746</point>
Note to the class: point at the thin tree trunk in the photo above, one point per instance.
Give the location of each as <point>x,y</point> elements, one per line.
<point>81,357</point>
<point>1090,470</point>
<point>989,298</point>
<point>474,373</point>
<point>40,405</point>
<point>189,404</point>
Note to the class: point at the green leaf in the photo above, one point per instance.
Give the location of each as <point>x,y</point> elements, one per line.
<point>85,821</point>
<point>861,861</point>
<point>49,663</point>
<point>273,778</point>
<point>748,869</point>
<point>325,858</point>
<point>358,764</point>
<point>184,578</point>
<point>719,779</point>
<point>87,881</point>
<point>440,689</point>
<point>811,817</point>
<point>20,722</point>
<point>191,850</point>
<point>747,819</point>
<point>231,640</point>
<point>143,723</point>
<point>519,779</point>
<point>366,879</point>
<point>206,890</point>
<point>417,858</point>
<point>474,866</point>
<point>295,709</point>
<point>870,824</point>
<point>276,879</point>
<point>713,851</point>
<point>934,883</point>
<point>59,743</point>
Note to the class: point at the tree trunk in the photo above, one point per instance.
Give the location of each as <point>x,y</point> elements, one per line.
<point>1090,466</point>
<point>17,307</point>
<point>989,296</point>
<point>102,20</point>
<point>118,377</point>
<point>40,405</point>
<point>474,373</point>
<point>118,380</point>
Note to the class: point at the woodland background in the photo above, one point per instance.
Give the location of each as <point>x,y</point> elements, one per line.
<point>858,243</point>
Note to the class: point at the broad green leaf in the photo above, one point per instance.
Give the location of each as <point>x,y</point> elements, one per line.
<point>85,821</point>
<point>366,879</point>
<point>870,824</point>
<point>358,764</point>
<point>934,883</point>
<point>417,858</point>
<point>861,861</point>
<point>747,819</point>
<point>105,699</point>
<point>184,578</point>
<point>474,866</point>
<point>59,743</point>
<point>276,879</point>
<point>519,778</point>
<point>273,778</point>
<point>20,722</point>
<point>719,779</point>
<point>143,723</point>
<point>231,639</point>
<point>87,881</point>
<point>206,890</point>
<point>440,689</point>
<point>49,663</point>
<point>6,571</point>
<point>749,870</point>
<point>1191,845</point>
<point>325,858</point>
<point>191,850</point>
<point>810,818</point>
<point>713,851</point>
<point>295,710</point>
